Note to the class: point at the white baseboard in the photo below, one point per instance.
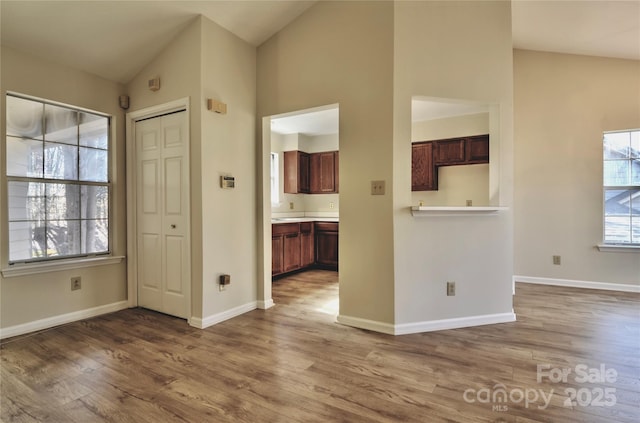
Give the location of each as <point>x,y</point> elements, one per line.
<point>578,284</point>
<point>221,317</point>
<point>427,326</point>
<point>263,305</point>
<point>454,323</point>
<point>61,319</point>
<point>367,324</point>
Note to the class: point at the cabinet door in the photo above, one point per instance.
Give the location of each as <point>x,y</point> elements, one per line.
<point>327,245</point>
<point>291,252</point>
<point>322,173</point>
<point>477,149</point>
<point>296,172</point>
<point>277,254</point>
<point>336,162</point>
<point>424,175</point>
<point>449,152</point>
<point>306,249</point>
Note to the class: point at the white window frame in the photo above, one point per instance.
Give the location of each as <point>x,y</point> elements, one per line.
<point>275,178</point>
<point>23,267</point>
<point>611,246</point>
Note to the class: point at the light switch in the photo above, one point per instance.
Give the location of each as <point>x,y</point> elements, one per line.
<point>377,187</point>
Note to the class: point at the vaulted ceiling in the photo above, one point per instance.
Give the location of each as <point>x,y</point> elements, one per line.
<point>115,39</point>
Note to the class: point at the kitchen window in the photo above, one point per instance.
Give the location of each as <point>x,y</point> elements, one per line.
<point>57,167</point>
<point>621,170</point>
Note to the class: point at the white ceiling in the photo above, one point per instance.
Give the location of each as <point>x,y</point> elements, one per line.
<point>115,39</point>
<point>320,121</point>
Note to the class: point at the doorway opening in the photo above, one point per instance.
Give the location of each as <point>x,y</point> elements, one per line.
<point>301,180</point>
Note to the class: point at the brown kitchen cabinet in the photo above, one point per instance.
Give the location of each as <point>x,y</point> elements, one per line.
<point>324,172</point>
<point>428,156</point>
<point>327,245</point>
<point>295,246</point>
<point>307,247</point>
<point>296,167</point>
<point>424,175</point>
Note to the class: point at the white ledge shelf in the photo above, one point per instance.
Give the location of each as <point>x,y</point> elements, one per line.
<point>418,211</point>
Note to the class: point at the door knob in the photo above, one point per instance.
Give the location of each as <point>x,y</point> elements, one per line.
<point>173,226</point>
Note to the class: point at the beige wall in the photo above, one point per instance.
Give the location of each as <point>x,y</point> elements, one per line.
<point>456,184</point>
<point>35,297</point>
<point>563,104</point>
<point>342,52</point>
<point>223,224</point>
<point>434,58</point>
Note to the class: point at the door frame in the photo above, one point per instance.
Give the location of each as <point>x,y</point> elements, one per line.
<point>131,176</point>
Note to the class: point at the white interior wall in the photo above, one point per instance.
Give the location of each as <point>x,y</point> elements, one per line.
<point>563,104</point>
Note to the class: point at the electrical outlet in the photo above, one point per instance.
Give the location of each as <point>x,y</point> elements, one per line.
<point>469,203</point>
<point>451,289</point>
<point>556,260</point>
<point>291,205</point>
<point>76,283</point>
<point>331,205</point>
<point>377,187</point>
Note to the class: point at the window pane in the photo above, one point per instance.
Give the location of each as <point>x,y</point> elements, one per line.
<point>23,241</point>
<point>617,202</point>
<point>63,237</point>
<point>616,145</point>
<point>93,165</point>
<point>617,229</point>
<point>616,172</point>
<point>24,157</point>
<point>24,117</point>
<point>95,236</point>
<point>94,131</point>
<point>635,229</point>
<point>63,201</point>
<point>635,172</point>
<point>60,161</point>
<point>26,201</point>
<point>635,144</point>
<point>61,124</point>
<point>95,202</point>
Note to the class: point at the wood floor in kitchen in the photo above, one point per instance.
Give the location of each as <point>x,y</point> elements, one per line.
<point>572,356</point>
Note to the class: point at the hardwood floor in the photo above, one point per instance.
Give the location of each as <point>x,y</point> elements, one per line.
<point>293,363</point>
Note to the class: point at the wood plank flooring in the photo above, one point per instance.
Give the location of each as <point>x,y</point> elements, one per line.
<point>293,363</point>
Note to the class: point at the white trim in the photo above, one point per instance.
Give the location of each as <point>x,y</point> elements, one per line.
<point>618,248</point>
<point>263,305</point>
<point>427,326</point>
<point>579,284</point>
<point>130,121</point>
<point>221,317</point>
<point>26,269</point>
<point>367,324</point>
<point>454,323</point>
<point>62,319</point>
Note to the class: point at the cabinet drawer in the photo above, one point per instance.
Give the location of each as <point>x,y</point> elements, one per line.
<point>306,227</point>
<point>326,227</point>
<point>285,228</point>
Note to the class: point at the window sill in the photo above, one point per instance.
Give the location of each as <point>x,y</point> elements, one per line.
<point>55,266</point>
<point>618,248</point>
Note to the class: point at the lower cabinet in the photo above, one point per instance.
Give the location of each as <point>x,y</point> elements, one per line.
<point>301,245</point>
<point>327,245</point>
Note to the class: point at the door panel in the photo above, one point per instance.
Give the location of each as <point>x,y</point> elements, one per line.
<point>164,277</point>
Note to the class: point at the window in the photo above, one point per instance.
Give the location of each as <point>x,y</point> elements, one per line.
<point>622,187</point>
<point>58,180</point>
<point>275,185</point>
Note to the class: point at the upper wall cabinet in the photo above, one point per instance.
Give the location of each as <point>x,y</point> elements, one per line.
<point>315,173</point>
<point>324,172</point>
<point>296,172</point>
<point>427,156</point>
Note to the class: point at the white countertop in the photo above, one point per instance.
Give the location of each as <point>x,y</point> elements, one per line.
<point>303,219</point>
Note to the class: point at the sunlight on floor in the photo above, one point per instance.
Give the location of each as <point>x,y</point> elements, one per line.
<point>330,307</point>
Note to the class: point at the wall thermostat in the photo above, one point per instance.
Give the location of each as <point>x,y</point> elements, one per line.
<point>227,182</point>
